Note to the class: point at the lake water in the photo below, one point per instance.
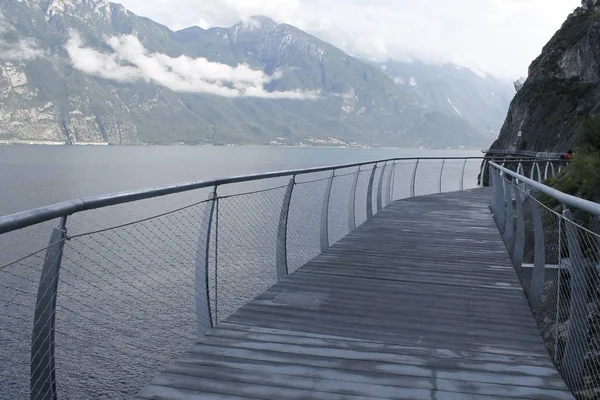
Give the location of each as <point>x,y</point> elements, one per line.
<point>34,176</point>
<point>126,302</point>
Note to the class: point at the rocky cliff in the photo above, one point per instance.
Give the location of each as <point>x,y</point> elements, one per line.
<point>562,90</point>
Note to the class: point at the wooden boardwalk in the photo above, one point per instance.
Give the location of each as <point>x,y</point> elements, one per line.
<point>419,303</point>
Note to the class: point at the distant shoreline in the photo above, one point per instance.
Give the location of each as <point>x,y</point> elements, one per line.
<point>25,142</point>
<point>21,142</point>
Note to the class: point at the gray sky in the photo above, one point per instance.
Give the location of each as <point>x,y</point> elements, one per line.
<point>501,37</point>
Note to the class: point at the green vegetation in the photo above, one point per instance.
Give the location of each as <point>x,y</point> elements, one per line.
<point>582,177</point>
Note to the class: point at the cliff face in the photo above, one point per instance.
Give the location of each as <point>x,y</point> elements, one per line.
<point>562,89</point>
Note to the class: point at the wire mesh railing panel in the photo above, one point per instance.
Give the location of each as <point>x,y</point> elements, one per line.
<point>304,223</point>
<point>16,244</point>
<point>562,250</point>
<point>376,178</point>
<point>427,178</point>
<point>578,328</point>
<point>452,175</point>
<point>339,205</point>
<point>472,170</point>
<point>126,303</point>
<point>107,217</point>
<point>246,236</point>
<point>361,195</point>
<point>449,180</point>
<point>548,316</point>
<point>386,185</point>
<point>401,179</point>
<point>590,243</point>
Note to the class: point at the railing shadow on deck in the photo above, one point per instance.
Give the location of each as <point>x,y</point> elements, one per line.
<point>129,281</point>
<point>554,241</point>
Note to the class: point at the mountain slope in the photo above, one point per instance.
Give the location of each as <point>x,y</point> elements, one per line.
<point>562,90</point>
<point>95,72</point>
<point>456,91</point>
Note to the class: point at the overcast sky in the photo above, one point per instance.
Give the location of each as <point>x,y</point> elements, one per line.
<point>501,37</point>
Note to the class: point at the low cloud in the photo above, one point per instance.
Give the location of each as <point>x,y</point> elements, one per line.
<point>497,36</point>
<point>130,61</point>
<point>22,49</point>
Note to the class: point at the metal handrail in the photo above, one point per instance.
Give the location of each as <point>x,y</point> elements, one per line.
<point>532,231</point>
<point>38,215</point>
<point>573,201</point>
<point>528,153</point>
<point>34,216</point>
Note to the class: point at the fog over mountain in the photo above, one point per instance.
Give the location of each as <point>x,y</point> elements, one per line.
<point>92,71</point>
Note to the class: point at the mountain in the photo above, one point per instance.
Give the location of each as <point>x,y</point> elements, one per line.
<point>482,100</point>
<point>91,71</point>
<point>562,91</point>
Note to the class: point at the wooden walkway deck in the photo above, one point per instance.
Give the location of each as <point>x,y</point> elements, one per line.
<point>420,303</point>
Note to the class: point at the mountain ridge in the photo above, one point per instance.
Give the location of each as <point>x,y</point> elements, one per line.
<point>482,100</point>
<point>57,98</point>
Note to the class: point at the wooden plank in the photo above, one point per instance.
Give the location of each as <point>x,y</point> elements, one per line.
<point>420,302</point>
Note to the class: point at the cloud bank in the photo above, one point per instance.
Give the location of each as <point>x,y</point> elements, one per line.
<point>22,49</point>
<point>131,62</point>
<point>498,36</point>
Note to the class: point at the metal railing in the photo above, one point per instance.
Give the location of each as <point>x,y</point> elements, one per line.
<point>532,167</point>
<point>523,153</point>
<point>129,281</point>
<point>554,241</point>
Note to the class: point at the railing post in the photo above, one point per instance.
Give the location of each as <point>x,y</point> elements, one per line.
<point>539,172</point>
<point>370,193</point>
<point>388,190</point>
<point>496,197</point>
<point>281,251</point>
<point>519,245</point>
<point>441,175</point>
<point>501,198</point>
<point>558,288</point>
<point>325,214</point>
<point>492,194</point>
<point>508,234</point>
<point>380,188</point>
<point>462,176</point>
<point>352,203</point>
<point>539,259</point>
<point>43,376</point>
<point>204,319</point>
<point>414,178</point>
<point>577,340</point>
<point>482,172</point>
<point>520,169</point>
<point>216,258</point>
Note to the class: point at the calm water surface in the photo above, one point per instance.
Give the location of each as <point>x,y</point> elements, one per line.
<point>34,176</point>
